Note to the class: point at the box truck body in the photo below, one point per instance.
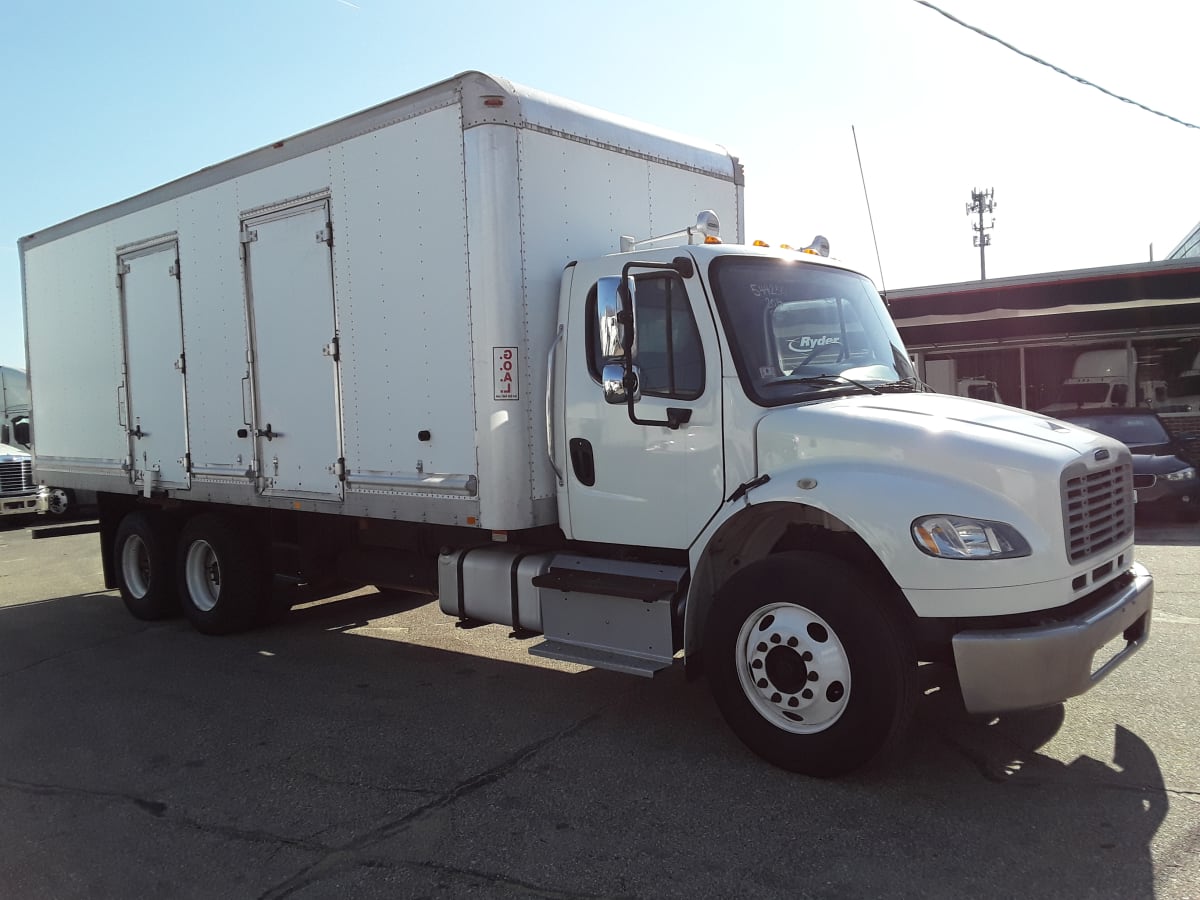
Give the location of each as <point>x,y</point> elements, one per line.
<point>470,342</point>
<point>356,319</point>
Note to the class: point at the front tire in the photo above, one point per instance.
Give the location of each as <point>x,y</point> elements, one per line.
<point>60,502</point>
<point>809,664</point>
<point>222,581</point>
<point>144,563</point>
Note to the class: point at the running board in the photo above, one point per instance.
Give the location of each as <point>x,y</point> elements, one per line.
<point>599,659</point>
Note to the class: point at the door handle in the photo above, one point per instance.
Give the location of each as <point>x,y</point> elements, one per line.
<point>583,462</point>
<point>267,433</point>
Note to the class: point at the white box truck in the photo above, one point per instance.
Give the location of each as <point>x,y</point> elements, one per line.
<point>466,342</point>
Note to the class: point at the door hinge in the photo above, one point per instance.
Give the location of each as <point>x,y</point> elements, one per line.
<point>325,235</point>
<point>181,364</point>
<point>245,238</point>
<point>333,349</point>
<point>339,468</point>
<point>173,271</point>
<point>187,462</point>
<point>122,270</point>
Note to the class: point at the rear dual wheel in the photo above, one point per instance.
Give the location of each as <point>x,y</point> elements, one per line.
<point>222,581</point>
<point>144,557</point>
<point>810,664</point>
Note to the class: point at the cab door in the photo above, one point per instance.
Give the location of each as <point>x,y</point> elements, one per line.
<point>648,485</point>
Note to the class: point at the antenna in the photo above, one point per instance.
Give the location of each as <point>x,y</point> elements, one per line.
<point>982,202</point>
<point>870,218</point>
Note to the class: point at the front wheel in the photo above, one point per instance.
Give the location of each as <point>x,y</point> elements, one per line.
<point>60,502</point>
<point>809,664</point>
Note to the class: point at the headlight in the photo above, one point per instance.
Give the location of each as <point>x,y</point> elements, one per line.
<point>956,537</point>
<point>1182,475</point>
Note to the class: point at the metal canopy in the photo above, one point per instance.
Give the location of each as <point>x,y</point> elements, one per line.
<point>1116,301</point>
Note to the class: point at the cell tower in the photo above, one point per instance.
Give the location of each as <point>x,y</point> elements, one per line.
<point>981,202</point>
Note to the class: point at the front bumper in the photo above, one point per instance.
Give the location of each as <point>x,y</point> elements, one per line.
<point>1026,668</point>
<point>24,504</point>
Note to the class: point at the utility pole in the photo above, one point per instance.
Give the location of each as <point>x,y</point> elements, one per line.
<point>981,202</point>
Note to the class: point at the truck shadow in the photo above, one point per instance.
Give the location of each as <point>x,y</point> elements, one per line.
<point>358,757</point>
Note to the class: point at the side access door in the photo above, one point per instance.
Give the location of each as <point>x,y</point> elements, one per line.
<point>294,351</point>
<point>155,390</point>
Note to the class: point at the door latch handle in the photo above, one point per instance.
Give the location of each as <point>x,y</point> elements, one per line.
<point>267,433</point>
<point>137,432</point>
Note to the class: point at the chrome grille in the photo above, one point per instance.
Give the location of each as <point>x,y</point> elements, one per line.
<point>1097,509</point>
<point>16,477</point>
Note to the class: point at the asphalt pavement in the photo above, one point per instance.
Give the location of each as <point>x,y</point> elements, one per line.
<point>366,747</point>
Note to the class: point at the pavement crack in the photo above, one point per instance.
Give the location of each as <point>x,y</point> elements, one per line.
<point>493,879</point>
<point>346,853</point>
<point>160,810</point>
<point>73,650</point>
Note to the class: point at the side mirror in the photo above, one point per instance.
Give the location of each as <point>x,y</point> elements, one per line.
<point>608,324</point>
<point>4,434</point>
<point>20,432</point>
<point>613,379</point>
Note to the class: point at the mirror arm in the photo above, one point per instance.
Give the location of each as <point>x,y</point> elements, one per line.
<point>682,265</point>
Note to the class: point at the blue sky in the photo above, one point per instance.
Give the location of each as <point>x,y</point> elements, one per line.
<point>105,100</point>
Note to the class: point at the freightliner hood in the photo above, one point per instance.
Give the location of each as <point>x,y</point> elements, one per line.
<point>878,462</point>
<point>8,453</point>
<point>921,424</point>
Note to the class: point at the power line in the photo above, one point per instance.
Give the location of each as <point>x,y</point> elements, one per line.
<point>1042,62</point>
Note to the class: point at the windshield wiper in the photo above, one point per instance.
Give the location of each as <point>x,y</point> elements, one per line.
<point>903,386</point>
<point>829,379</point>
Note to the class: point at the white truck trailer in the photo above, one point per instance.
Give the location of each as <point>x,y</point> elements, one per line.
<point>423,347</point>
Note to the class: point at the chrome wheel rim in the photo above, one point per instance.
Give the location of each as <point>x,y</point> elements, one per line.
<point>57,502</point>
<point>135,566</point>
<point>202,574</point>
<point>793,668</point>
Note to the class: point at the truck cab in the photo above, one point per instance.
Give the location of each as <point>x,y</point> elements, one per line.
<point>753,413</point>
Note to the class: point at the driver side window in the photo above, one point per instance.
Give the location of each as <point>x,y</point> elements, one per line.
<point>670,355</point>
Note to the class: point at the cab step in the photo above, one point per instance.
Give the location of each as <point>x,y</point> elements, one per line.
<point>599,659</point>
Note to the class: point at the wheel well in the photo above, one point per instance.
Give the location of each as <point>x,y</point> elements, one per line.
<point>769,529</point>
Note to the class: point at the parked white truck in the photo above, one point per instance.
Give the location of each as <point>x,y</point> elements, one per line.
<point>400,350</point>
<point>941,375</point>
<point>19,493</point>
<point>1099,378</point>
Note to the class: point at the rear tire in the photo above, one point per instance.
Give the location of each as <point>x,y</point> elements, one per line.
<point>222,582</point>
<point>144,563</point>
<point>812,668</point>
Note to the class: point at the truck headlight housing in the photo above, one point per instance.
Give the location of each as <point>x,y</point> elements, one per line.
<point>1181,475</point>
<point>958,537</point>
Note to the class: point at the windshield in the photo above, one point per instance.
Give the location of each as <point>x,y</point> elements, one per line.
<point>793,324</point>
<point>1132,430</point>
